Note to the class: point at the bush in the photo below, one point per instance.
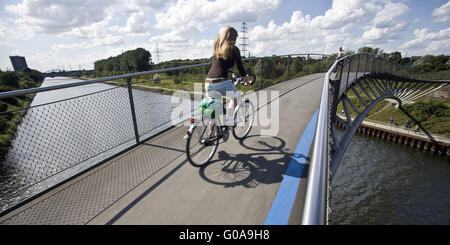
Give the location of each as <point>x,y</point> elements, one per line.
<point>11,100</point>
<point>422,110</point>
<point>28,84</point>
<point>177,80</point>
<point>157,78</point>
<point>35,75</point>
<point>4,125</point>
<point>5,140</point>
<point>430,63</point>
<point>10,79</point>
<point>3,107</point>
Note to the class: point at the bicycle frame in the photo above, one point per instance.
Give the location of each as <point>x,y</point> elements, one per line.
<point>240,100</point>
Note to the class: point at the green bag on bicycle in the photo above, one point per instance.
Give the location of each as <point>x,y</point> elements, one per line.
<point>209,106</point>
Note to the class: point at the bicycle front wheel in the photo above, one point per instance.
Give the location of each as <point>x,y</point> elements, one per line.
<point>243,119</point>
<point>202,144</point>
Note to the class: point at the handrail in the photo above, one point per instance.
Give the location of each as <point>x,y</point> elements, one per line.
<point>117,77</point>
<point>315,201</point>
<point>315,207</point>
<point>99,80</point>
<point>348,70</point>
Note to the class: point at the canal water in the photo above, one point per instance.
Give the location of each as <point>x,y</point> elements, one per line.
<point>381,182</point>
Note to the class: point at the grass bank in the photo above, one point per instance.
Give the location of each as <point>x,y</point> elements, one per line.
<point>12,108</point>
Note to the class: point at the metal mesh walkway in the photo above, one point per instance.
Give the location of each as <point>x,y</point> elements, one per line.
<point>90,194</point>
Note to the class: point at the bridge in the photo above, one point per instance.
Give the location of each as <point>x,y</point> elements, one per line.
<point>62,73</point>
<point>138,172</point>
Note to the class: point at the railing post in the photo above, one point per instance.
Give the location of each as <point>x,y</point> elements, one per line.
<point>287,76</point>
<point>321,64</point>
<point>371,66</point>
<point>133,112</point>
<point>260,73</point>
<point>357,66</point>
<point>307,61</point>
<point>365,65</point>
<point>348,73</point>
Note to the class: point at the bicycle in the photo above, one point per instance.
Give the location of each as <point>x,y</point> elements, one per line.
<point>205,133</point>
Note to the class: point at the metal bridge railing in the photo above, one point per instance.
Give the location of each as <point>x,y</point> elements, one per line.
<point>376,78</point>
<point>71,127</point>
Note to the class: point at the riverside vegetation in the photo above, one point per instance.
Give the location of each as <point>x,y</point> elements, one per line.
<point>273,70</point>
<point>11,109</point>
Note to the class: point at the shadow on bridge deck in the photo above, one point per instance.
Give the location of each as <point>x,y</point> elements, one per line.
<point>154,184</point>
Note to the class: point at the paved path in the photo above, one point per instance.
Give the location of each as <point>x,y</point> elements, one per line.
<point>154,184</point>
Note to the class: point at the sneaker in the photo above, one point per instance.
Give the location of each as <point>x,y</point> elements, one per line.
<point>225,134</point>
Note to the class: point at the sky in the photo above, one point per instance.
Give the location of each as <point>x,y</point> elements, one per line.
<point>73,34</point>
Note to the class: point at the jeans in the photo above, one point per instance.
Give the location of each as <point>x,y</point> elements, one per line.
<point>224,88</point>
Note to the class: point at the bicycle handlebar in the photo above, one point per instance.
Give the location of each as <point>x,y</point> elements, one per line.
<point>239,80</point>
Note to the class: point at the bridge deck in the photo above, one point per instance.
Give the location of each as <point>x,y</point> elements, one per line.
<point>154,184</point>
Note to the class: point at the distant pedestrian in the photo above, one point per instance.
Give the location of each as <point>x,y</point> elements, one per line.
<point>340,53</point>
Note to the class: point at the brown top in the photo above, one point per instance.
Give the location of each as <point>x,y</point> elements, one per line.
<point>220,67</point>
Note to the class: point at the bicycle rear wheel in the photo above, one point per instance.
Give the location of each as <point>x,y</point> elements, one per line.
<point>243,119</point>
<point>202,144</point>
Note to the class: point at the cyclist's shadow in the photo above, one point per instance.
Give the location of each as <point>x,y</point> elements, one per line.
<point>266,164</point>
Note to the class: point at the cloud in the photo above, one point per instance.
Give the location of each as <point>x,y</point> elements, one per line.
<point>183,27</point>
<point>140,12</point>
<point>81,17</point>
<point>384,34</point>
<point>321,34</point>
<point>431,42</point>
<point>442,13</point>
<point>386,25</point>
<point>196,13</point>
<point>188,50</point>
<point>186,20</point>
<point>345,13</point>
<point>170,37</point>
<point>63,46</point>
<point>137,23</point>
<point>53,17</point>
<point>143,5</point>
<point>388,16</point>
<point>299,35</point>
<point>380,21</point>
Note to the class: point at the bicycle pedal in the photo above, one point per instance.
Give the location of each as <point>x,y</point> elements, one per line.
<point>225,134</point>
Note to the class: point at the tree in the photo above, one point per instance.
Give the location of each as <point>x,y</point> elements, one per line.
<point>35,75</point>
<point>129,61</point>
<point>297,64</point>
<point>349,52</point>
<point>395,56</point>
<point>430,63</point>
<point>370,50</point>
<point>10,79</point>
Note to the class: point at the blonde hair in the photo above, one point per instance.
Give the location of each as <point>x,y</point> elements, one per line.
<point>224,43</point>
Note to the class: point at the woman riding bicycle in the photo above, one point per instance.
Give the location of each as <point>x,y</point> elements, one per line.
<point>203,138</point>
<point>224,56</point>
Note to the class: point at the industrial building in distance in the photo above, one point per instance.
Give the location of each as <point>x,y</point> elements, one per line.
<point>18,62</point>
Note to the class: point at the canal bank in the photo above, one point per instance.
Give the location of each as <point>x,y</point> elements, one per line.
<point>415,139</point>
